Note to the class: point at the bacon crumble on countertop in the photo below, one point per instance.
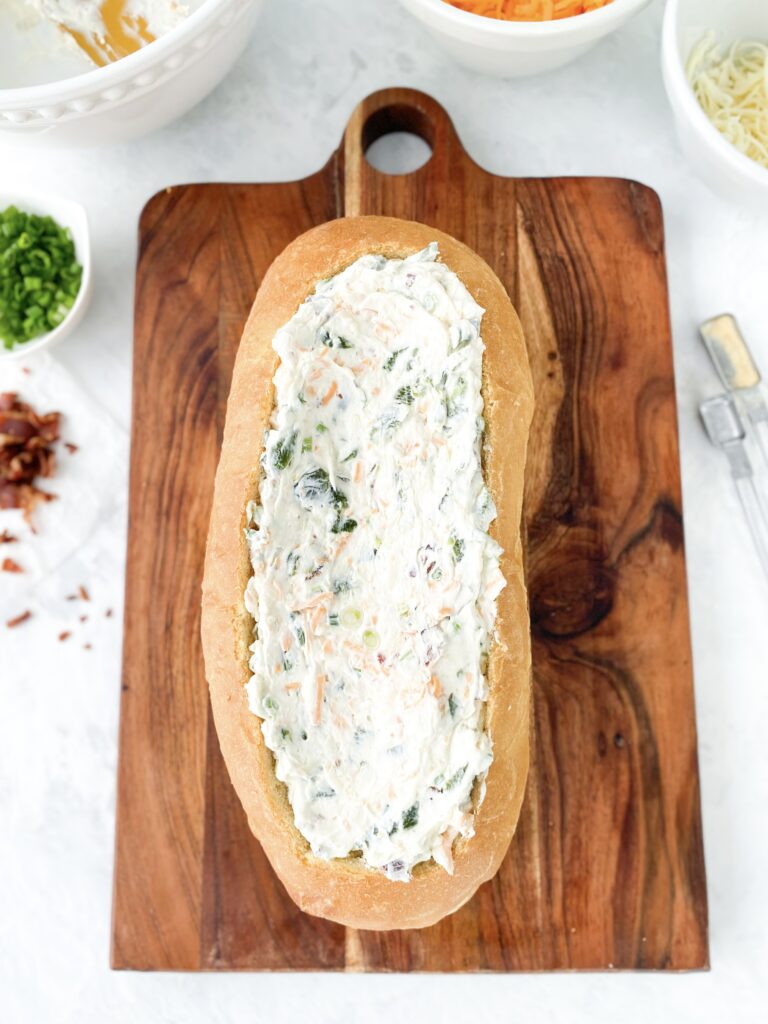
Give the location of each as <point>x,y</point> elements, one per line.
<point>19,619</point>
<point>25,453</point>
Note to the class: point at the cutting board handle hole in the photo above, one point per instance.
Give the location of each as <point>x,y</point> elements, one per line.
<point>398,139</point>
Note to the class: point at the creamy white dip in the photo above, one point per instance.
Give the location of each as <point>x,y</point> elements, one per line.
<point>160,16</point>
<point>374,578</point>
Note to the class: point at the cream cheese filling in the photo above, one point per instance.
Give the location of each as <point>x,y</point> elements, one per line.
<point>374,579</point>
<point>97,18</point>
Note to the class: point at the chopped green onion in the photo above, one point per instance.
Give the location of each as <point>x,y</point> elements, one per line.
<point>351,617</point>
<point>456,778</point>
<point>411,817</point>
<point>344,526</point>
<point>282,453</point>
<point>371,639</point>
<point>389,363</point>
<point>39,275</point>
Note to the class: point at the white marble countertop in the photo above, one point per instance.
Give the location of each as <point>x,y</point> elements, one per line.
<point>278,116</point>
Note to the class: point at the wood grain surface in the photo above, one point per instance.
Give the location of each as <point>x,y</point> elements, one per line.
<point>606,870</point>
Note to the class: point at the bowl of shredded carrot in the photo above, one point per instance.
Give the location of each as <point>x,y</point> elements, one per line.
<point>510,38</point>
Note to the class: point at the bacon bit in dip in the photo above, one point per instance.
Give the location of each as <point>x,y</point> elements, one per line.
<point>7,538</point>
<point>8,565</point>
<point>65,634</point>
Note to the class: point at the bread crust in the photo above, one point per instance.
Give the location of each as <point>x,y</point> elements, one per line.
<point>346,890</point>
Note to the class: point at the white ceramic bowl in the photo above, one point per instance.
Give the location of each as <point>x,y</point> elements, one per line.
<point>69,214</point>
<point>715,159</point>
<point>513,48</point>
<point>139,93</point>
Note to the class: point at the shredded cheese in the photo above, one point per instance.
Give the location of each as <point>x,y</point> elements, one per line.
<point>528,10</point>
<point>732,89</point>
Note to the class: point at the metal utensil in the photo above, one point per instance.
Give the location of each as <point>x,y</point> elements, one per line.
<point>726,431</point>
<point>738,372</point>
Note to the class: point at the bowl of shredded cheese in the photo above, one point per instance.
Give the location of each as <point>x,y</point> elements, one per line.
<point>95,71</point>
<point>511,38</point>
<point>715,65</point>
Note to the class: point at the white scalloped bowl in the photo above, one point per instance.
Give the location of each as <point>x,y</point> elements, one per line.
<point>713,157</point>
<point>70,215</point>
<point>139,93</point>
<point>511,49</point>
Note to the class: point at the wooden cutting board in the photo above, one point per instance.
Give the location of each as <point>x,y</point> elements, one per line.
<point>606,869</point>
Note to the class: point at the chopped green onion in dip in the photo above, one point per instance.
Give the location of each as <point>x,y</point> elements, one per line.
<point>374,578</point>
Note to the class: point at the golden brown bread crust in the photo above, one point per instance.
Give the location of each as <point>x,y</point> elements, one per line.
<point>346,890</point>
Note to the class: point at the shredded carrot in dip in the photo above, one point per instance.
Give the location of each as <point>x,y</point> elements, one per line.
<point>528,10</point>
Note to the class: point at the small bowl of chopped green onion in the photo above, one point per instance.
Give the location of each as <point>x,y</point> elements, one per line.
<point>45,270</point>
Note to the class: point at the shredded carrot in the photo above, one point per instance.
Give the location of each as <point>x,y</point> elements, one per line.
<point>292,686</point>
<point>346,538</point>
<point>287,641</point>
<point>313,601</point>
<point>321,681</point>
<point>446,611</point>
<point>330,393</point>
<point>316,619</point>
<point>528,10</point>
<point>358,472</point>
<point>435,687</point>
